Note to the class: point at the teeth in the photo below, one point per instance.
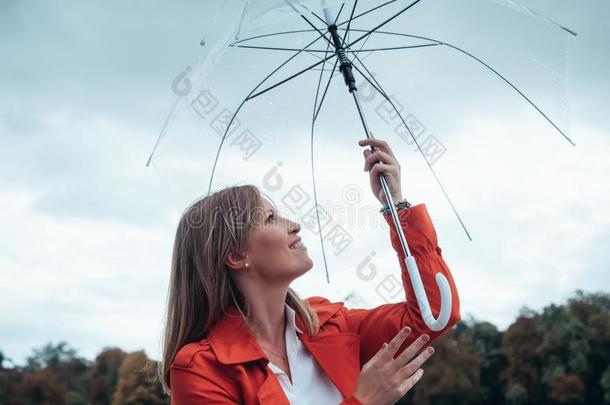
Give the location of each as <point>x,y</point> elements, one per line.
<point>296,245</point>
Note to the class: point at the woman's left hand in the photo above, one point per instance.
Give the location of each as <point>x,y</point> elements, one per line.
<point>389,167</point>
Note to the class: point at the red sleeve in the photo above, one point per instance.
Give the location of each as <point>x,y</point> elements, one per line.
<point>189,387</point>
<point>378,325</point>
<point>351,400</point>
<point>193,381</point>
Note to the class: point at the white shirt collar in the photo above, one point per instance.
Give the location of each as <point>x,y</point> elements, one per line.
<point>290,316</point>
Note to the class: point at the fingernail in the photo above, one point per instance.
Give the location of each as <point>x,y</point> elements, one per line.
<point>425,338</point>
<point>431,350</point>
<point>406,329</point>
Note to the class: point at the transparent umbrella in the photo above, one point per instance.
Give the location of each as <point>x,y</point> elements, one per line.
<point>282,90</point>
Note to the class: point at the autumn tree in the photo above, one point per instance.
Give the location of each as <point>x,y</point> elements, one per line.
<point>54,374</point>
<point>484,340</point>
<point>137,383</point>
<point>103,376</point>
<point>451,377</point>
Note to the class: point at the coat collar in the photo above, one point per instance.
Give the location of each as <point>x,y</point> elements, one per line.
<point>233,342</point>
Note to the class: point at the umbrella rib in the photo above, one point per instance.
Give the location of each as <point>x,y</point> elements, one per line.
<point>515,88</point>
<point>224,135</point>
<point>312,52</point>
<point>306,8</point>
<point>382,24</point>
<point>307,20</point>
<point>169,117</point>
<point>270,34</point>
<point>349,23</point>
<point>250,97</point>
<point>347,51</point>
<point>313,176</point>
<point>326,89</point>
<point>361,46</point>
<point>339,13</point>
<point>490,68</point>
<point>315,103</point>
<point>376,84</point>
<point>325,70</point>
<point>317,29</point>
<point>366,12</point>
<point>385,96</point>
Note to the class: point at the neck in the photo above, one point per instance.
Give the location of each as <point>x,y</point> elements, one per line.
<point>269,318</point>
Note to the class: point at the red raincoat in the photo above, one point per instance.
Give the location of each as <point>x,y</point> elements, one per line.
<point>229,367</point>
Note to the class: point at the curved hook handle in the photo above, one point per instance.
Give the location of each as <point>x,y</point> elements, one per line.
<point>422,299</point>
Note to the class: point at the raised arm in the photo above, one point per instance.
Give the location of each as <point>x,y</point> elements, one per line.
<point>378,325</point>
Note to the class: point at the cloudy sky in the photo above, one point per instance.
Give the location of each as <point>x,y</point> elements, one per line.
<point>86,228</point>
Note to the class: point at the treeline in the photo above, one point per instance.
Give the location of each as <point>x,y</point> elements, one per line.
<point>558,356</point>
<point>56,375</point>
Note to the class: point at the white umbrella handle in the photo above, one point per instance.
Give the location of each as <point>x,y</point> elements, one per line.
<point>422,300</point>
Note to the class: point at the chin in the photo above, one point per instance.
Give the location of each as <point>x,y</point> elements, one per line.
<point>308,265</point>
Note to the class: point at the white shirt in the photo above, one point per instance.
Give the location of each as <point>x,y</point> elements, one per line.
<point>310,384</point>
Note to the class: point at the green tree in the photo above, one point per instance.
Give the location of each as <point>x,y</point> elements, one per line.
<point>593,311</point>
<point>523,376</point>
<point>485,341</point>
<point>605,384</point>
<point>451,377</point>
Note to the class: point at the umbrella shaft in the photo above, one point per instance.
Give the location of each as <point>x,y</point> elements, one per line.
<point>382,179</point>
<point>350,81</point>
<point>345,65</point>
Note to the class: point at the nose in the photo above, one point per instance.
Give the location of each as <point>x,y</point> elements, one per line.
<point>295,227</point>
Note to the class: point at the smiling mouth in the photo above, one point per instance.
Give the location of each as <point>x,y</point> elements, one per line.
<point>297,245</point>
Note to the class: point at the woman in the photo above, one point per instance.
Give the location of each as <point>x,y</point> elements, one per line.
<point>236,333</point>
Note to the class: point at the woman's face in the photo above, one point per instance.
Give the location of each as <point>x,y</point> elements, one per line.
<point>271,251</point>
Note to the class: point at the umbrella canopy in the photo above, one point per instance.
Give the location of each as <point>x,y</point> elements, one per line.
<point>267,104</point>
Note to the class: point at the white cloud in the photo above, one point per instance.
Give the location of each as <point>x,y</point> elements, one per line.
<point>87,229</point>
<point>90,282</point>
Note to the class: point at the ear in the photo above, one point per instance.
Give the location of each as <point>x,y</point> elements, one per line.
<point>236,261</point>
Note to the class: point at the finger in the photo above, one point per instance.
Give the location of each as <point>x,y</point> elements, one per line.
<point>395,343</point>
<point>411,381</point>
<point>410,351</point>
<point>376,143</point>
<point>379,353</point>
<point>412,367</point>
<point>373,157</point>
<point>382,168</point>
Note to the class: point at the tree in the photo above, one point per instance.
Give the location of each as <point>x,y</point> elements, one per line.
<point>55,371</point>
<point>522,377</point>
<point>485,341</point>
<point>103,376</point>
<point>451,377</point>
<point>605,384</point>
<point>137,383</point>
<point>568,389</point>
<point>593,310</point>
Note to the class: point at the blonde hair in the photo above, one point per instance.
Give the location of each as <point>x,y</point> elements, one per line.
<point>201,287</point>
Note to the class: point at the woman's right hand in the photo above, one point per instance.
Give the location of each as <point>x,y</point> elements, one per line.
<point>385,379</point>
